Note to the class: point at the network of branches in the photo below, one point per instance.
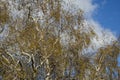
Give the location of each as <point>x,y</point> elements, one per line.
<point>49,46</point>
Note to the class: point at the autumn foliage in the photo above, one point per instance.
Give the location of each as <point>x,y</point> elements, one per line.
<point>50,48</point>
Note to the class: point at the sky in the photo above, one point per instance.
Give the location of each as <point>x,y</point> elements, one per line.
<point>105,12</point>
<point>108,14</point>
<point>91,9</point>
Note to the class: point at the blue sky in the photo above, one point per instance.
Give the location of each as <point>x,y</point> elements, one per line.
<point>108,14</point>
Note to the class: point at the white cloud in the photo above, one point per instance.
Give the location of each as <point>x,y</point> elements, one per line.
<point>103,36</point>
<point>86,5</point>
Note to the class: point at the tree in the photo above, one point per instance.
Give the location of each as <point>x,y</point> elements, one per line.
<point>45,42</point>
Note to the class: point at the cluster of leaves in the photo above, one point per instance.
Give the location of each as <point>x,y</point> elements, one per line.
<point>4,16</point>
<point>36,52</point>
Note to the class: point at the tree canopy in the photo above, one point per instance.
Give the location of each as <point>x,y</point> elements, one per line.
<point>44,41</point>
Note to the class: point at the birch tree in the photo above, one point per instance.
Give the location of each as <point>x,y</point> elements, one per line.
<point>44,41</point>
